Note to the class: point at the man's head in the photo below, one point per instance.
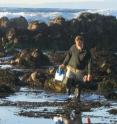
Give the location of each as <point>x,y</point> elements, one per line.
<point>79,41</point>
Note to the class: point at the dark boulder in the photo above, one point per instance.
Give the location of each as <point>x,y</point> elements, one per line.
<point>57,57</point>
<point>35,26</point>
<point>4,22</point>
<point>32,58</point>
<point>35,78</point>
<point>19,23</point>
<point>8,82</point>
<point>113,111</point>
<point>98,30</point>
<point>112,95</point>
<point>10,34</point>
<point>58,20</point>
<point>107,86</point>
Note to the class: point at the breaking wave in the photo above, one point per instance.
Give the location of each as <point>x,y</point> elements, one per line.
<point>45,14</point>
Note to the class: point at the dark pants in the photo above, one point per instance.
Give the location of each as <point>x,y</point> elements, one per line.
<point>72,83</point>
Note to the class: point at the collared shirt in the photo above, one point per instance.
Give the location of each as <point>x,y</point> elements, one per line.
<point>78,59</point>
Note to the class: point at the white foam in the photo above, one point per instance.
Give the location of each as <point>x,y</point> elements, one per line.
<point>43,16</point>
<point>6,66</point>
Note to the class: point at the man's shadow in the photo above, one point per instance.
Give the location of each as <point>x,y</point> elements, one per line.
<point>68,120</point>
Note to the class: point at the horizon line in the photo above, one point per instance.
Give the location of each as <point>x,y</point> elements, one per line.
<point>15,6</point>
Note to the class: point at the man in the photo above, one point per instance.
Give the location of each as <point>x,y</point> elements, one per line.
<point>76,61</point>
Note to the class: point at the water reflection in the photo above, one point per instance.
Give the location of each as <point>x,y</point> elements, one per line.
<point>68,120</point>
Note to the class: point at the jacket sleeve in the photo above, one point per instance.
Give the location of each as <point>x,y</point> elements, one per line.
<point>67,58</point>
<point>89,63</point>
<point>89,66</point>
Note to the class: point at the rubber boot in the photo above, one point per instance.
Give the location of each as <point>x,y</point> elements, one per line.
<point>77,94</point>
<point>69,86</point>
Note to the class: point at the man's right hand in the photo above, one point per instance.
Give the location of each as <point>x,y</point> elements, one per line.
<point>61,66</point>
<point>87,78</point>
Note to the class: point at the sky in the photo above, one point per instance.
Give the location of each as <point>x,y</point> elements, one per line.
<point>77,4</point>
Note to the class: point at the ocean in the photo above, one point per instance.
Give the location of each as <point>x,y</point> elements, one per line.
<point>46,14</point>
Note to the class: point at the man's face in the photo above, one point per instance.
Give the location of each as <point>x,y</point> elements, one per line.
<point>79,43</point>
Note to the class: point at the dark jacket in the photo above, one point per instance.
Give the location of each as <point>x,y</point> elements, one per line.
<point>78,59</point>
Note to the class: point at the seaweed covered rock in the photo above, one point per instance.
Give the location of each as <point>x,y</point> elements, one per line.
<point>4,22</point>
<point>57,57</point>
<point>8,81</point>
<point>32,58</point>
<point>35,26</point>
<point>61,32</point>
<point>55,86</point>
<point>10,40</point>
<point>58,20</point>
<point>99,34</point>
<point>35,79</point>
<point>112,95</point>
<point>10,34</point>
<point>106,62</point>
<point>19,23</point>
<point>44,79</point>
<point>107,88</point>
<point>113,111</point>
<point>104,66</point>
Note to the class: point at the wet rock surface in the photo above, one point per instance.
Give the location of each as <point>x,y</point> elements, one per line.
<point>30,104</point>
<point>104,70</point>
<point>113,111</point>
<point>31,58</point>
<point>29,66</point>
<point>62,107</point>
<point>59,33</point>
<point>8,82</point>
<point>111,95</point>
<point>36,26</point>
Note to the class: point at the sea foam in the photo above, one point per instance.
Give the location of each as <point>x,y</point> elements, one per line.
<point>44,15</point>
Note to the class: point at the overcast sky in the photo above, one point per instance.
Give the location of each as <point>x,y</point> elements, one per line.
<point>79,4</point>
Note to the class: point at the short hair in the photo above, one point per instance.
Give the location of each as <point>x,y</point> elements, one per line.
<point>79,38</point>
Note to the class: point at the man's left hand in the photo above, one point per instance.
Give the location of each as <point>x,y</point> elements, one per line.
<point>89,77</point>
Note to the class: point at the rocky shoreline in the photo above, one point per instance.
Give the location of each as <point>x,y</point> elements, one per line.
<point>98,30</point>
<point>31,53</point>
<point>39,72</point>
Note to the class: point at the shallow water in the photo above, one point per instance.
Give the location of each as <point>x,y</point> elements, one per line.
<point>9,114</point>
<point>101,116</point>
<point>6,58</point>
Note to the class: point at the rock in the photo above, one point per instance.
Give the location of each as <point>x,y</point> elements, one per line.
<point>104,64</point>
<point>35,26</point>
<point>113,111</point>
<point>58,20</point>
<point>4,22</point>
<point>35,79</point>
<point>32,58</point>
<point>10,40</point>
<point>107,86</point>
<point>2,53</point>
<point>57,57</point>
<point>19,23</point>
<point>111,95</point>
<point>34,76</point>
<point>6,88</point>
<point>61,32</point>
<point>8,82</point>
<point>55,86</point>
<point>10,34</point>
